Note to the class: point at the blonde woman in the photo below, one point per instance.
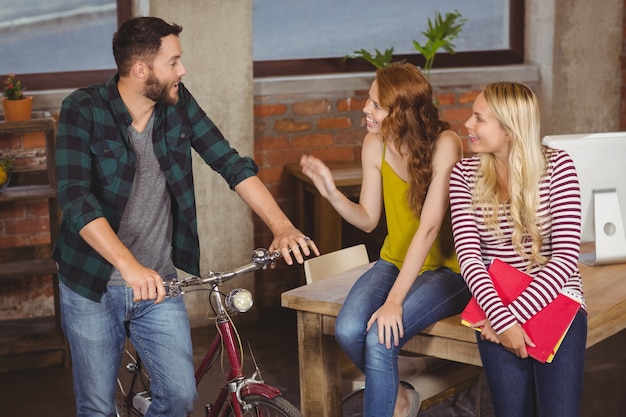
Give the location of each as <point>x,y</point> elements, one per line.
<point>407,157</point>
<point>520,202</point>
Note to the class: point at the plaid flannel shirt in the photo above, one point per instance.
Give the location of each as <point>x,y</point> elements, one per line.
<point>96,164</point>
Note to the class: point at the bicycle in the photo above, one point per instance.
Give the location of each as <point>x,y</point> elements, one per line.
<point>240,395</point>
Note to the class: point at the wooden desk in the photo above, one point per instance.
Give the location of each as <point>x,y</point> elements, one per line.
<point>318,305</point>
<point>326,225</point>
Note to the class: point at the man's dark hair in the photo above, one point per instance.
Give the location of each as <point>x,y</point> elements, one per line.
<point>140,38</point>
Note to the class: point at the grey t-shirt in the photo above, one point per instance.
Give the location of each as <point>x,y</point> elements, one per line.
<point>146,225</point>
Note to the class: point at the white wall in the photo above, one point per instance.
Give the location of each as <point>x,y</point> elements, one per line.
<point>577,46</point>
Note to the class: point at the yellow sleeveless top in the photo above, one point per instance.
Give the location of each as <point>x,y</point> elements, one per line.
<point>402,225</point>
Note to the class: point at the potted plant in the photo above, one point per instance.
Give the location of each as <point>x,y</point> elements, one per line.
<point>440,34</point>
<point>15,104</point>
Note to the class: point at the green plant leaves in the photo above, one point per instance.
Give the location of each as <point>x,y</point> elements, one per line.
<point>379,60</point>
<point>440,34</point>
<point>442,30</point>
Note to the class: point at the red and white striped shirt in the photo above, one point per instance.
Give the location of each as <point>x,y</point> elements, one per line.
<point>477,245</point>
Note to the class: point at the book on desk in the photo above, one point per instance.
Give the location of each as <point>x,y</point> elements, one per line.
<point>546,329</point>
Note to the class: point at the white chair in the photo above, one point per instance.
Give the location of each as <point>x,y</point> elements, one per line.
<point>333,263</point>
<point>435,379</point>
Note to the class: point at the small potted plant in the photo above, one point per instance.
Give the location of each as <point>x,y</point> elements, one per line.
<point>15,104</point>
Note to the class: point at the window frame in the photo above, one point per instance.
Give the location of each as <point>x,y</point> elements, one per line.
<point>513,55</point>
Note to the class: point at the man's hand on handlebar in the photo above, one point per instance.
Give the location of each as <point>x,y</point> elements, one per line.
<point>146,284</point>
<point>294,242</point>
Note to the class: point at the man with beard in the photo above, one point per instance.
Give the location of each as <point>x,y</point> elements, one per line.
<point>125,186</point>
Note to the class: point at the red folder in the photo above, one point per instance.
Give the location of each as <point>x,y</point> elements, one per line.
<point>546,329</point>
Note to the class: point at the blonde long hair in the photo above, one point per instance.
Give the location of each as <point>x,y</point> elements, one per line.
<point>516,108</point>
<point>413,121</point>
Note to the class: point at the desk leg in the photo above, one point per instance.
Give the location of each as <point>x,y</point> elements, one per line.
<point>300,218</point>
<point>327,226</point>
<point>320,375</point>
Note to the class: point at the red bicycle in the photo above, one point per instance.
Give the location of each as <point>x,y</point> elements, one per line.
<point>241,395</point>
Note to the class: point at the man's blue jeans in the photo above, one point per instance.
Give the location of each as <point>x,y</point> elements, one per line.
<point>527,388</point>
<point>434,295</point>
<point>96,334</point>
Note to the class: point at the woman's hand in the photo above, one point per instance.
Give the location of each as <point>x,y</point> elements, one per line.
<point>486,331</point>
<point>389,318</point>
<point>319,173</point>
<point>515,340</point>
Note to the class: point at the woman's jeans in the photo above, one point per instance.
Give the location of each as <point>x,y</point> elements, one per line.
<point>96,333</point>
<point>434,295</point>
<point>527,388</point>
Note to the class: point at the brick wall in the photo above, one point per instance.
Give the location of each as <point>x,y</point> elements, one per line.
<point>331,127</point>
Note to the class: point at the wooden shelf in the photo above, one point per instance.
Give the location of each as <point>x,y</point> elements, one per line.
<point>38,341</point>
<point>27,193</point>
<point>30,268</point>
<point>31,343</point>
<point>39,122</point>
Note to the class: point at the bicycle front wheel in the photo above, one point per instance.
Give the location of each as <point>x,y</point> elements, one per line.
<point>262,406</point>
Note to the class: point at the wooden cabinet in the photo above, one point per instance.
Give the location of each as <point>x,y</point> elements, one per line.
<point>32,342</point>
<point>317,218</point>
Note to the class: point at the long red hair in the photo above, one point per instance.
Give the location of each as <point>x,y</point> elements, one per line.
<point>413,123</point>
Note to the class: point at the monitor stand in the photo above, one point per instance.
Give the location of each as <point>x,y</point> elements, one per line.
<point>609,230</point>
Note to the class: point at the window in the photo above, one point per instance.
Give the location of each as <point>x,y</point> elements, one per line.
<point>70,40</point>
<point>309,38</point>
<point>314,37</point>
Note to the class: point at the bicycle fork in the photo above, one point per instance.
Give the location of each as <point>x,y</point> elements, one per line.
<point>226,339</point>
<point>237,386</point>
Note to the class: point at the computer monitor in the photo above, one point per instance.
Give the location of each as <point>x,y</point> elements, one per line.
<point>600,160</point>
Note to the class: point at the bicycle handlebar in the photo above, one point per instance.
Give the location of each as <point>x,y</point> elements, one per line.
<point>261,259</point>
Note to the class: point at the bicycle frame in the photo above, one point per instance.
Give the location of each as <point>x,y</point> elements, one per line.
<point>237,385</point>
